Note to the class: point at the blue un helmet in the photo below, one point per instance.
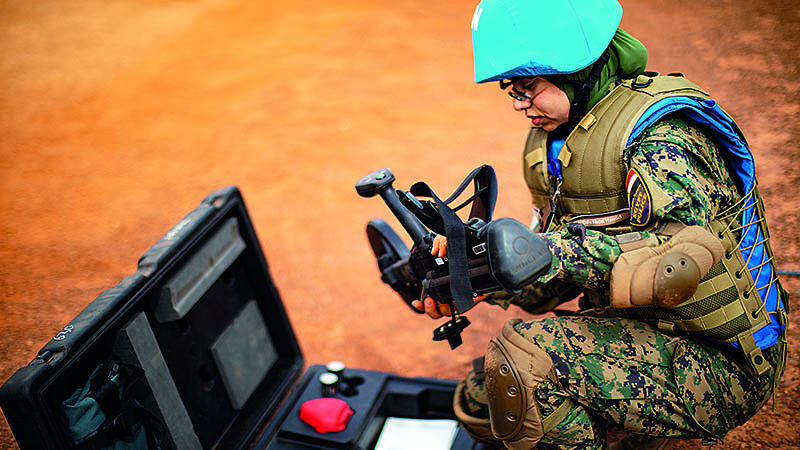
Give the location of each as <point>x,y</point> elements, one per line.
<point>527,38</point>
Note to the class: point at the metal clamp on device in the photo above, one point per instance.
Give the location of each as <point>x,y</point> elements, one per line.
<point>483,255</point>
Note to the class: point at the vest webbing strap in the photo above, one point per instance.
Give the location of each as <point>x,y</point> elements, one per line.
<point>613,201</point>
<point>753,353</point>
<point>565,155</point>
<point>713,319</point>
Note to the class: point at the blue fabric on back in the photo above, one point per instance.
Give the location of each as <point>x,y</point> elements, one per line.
<point>725,132</point>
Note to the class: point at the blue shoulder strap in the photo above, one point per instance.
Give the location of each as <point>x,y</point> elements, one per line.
<point>725,132</point>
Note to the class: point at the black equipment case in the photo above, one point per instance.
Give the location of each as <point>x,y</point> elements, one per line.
<point>222,366</point>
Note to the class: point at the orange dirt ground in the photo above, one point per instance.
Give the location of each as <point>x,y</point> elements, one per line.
<point>117,117</point>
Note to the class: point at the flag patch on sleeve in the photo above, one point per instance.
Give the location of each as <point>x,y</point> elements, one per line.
<point>639,199</point>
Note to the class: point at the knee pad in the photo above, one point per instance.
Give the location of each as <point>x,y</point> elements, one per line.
<point>514,368</point>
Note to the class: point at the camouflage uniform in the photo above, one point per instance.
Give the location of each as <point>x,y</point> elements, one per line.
<point>622,371</point>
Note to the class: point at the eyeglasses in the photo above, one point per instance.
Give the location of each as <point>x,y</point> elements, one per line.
<point>514,93</point>
<point>521,96</point>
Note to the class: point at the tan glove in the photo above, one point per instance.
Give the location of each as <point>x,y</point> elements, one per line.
<point>666,275</point>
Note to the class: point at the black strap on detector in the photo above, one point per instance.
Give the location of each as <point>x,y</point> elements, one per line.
<point>485,196</point>
<point>460,285</point>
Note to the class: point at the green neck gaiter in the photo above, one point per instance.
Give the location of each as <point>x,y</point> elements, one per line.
<point>627,59</point>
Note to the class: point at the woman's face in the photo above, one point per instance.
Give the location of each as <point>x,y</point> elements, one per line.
<point>542,101</point>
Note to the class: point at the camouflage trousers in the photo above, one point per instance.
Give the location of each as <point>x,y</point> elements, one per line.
<point>626,373</point>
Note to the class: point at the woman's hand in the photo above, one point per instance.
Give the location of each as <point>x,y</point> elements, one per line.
<point>429,306</point>
<point>433,309</point>
<point>436,310</point>
<point>439,247</point>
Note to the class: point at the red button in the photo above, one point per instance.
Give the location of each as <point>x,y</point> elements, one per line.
<point>326,414</point>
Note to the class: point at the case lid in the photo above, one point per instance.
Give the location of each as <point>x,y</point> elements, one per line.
<point>201,316</point>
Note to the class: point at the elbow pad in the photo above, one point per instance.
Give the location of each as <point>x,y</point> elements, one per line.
<point>665,275</point>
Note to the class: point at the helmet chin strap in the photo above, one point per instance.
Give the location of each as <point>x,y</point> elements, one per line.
<point>579,106</point>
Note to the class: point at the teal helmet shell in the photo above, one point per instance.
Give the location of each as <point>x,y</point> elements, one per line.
<point>513,38</point>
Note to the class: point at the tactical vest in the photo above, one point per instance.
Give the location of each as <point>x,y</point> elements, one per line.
<point>740,301</point>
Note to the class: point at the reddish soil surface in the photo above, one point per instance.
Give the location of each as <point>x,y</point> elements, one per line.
<point>117,117</point>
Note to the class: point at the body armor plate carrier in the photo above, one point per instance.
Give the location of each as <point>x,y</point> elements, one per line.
<point>740,301</point>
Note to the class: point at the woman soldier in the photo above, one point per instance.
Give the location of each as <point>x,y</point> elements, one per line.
<point>647,195</point>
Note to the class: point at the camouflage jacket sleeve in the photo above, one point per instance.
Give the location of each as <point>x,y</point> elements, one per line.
<point>689,182</point>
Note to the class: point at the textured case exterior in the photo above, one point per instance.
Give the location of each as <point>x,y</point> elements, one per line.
<point>131,318</point>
